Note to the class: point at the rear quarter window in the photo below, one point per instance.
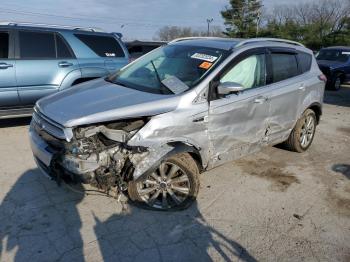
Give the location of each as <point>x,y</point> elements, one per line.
<point>305,61</point>
<point>103,46</point>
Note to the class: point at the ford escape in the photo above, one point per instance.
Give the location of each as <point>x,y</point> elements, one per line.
<point>150,129</point>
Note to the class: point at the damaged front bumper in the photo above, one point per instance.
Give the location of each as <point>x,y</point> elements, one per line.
<point>98,168</point>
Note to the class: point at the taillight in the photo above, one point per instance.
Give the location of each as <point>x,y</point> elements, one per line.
<point>322,78</point>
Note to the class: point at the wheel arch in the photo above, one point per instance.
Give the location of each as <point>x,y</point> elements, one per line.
<point>182,147</point>
<point>317,108</point>
<point>166,151</point>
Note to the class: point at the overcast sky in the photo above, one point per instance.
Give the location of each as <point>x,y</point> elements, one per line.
<point>136,19</point>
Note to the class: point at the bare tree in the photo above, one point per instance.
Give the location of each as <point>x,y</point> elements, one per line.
<point>168,33</point>
<point>317,23</point>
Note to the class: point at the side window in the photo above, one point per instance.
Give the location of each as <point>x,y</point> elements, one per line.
<point>103,46</point>
<point>37,45</point>
<point>250,72</point>
<point>4,45</point>
<point>305,61</point>
<point>284,66</point>
<point>62,48</point>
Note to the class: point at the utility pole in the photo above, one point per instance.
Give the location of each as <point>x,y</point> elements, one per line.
<point>209,21</point>
<point>257,24</point>
<point>258,20</point>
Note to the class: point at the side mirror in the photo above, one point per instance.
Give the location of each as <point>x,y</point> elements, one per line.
<point>229,87</point>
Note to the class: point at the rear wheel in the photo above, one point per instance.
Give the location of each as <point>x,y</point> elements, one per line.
<point>302,135</point>
<point>172,186</point>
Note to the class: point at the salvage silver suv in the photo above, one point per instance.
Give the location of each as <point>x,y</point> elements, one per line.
<point>186,107</point>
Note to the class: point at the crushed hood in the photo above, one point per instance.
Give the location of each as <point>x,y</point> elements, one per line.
<point>99,101</point>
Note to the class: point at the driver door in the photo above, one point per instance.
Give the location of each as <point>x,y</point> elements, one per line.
<point>237,122</point>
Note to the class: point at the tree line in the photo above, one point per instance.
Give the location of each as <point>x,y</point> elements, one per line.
<point>316,24</point>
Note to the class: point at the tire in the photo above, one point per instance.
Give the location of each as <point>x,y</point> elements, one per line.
<point>302,130</point>
<point>336,82</point>
<point>179,185</point>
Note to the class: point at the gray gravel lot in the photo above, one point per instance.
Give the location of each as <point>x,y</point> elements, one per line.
<point>272,206</point>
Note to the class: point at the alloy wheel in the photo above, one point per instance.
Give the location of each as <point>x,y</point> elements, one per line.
<point>307,131</point>
<point>337,84</point>
<point>165,188</point>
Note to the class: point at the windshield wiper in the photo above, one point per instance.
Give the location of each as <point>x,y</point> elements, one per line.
<point>158,78</point>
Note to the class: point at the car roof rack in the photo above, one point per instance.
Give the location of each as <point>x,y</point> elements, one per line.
<point>242,42</point>
<point>263,39</point>
<point>91,29</point>
<point>198,37</point>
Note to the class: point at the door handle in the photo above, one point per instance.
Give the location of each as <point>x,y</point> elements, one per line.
<point>64,64</point>
<point>5,66</point>
<point>200,119</point>
<point>260,100</point>
<point>302,88</point>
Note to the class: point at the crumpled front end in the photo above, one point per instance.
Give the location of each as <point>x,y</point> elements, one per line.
<point>96,154</point>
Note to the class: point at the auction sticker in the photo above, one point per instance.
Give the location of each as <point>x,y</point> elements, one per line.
<point>204,57</point>
<point>205,65</point>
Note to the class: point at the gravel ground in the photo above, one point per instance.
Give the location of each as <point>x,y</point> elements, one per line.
<point>271,206</point>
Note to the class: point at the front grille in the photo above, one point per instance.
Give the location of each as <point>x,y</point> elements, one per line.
<point>43,123</point>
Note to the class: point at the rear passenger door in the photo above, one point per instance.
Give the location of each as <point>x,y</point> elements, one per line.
<point>8,88</point>
<point>110,55</point>
<point>44,60</point>
<point>285,91</point>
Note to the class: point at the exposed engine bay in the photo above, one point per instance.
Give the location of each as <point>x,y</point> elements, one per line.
<point>98,154</point>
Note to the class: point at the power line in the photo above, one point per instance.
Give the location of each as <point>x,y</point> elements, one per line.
<point>104,20</point>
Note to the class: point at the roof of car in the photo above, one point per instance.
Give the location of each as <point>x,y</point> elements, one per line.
<point>211,42</point>
<point>345,48</point>
<point>229,43</point>
<point>49,27</point>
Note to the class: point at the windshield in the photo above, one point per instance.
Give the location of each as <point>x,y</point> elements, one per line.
<point>171,69</point>
<point>333,55</point>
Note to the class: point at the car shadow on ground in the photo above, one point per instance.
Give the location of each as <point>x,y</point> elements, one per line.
<point>12,122</point>
<point>339,98</point>
<point>41,222</point>
<point>342,169</point>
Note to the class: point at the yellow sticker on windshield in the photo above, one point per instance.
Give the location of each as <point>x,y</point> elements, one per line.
<point>205,65</point>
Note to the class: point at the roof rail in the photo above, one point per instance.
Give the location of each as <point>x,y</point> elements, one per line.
<point>195,37</point>
<point>92,29</point>
<point>262,39</point>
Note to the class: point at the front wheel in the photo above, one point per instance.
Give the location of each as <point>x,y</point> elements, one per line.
<point>337,82</point>
<point>172,186</point>
<point>302,135</point>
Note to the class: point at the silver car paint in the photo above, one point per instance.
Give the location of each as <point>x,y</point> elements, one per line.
<point>220,131</point>
<point>99,101</point>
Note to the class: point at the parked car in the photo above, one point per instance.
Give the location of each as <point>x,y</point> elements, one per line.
<point>139,48</point>
<point>334,62</point>
<point>187,107</point>
<point>36,61</point>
